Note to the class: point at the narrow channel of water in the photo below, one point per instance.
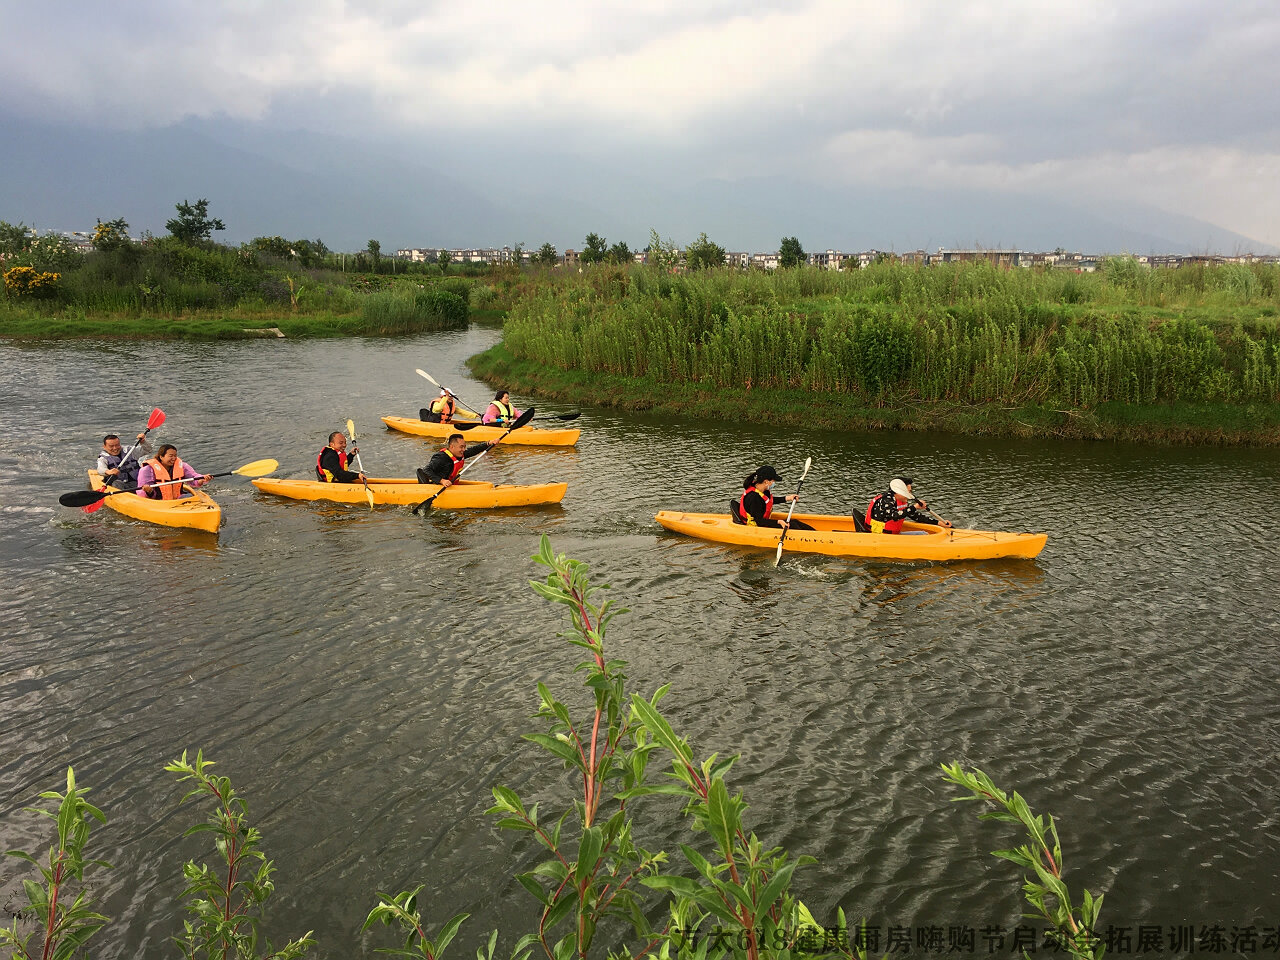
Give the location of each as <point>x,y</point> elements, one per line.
<point>365,677</point>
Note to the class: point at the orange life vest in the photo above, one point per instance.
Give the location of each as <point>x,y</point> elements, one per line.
<point>170,491</point>
<point>742,506</point>
<point>445,407</point>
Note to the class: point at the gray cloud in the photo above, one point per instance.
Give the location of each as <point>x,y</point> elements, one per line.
<point>1172,102</point>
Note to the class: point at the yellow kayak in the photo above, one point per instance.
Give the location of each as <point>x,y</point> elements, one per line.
<point>465,494</point>
<point>528,436</point>
<point>197,511</point>
<point>838,537</point>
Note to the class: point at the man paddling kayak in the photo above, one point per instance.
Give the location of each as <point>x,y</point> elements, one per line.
<point>163,467</point>
<point>755,507</point>
<point>445,465</point>
<point>442,407</point>
<point>500,410</point>
<point>331,462</point>
<point>112,464</point>
<point>886,513</point>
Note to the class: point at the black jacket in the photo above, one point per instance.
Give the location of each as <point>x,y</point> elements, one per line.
<point>440,466</point>
<point>329,461</point>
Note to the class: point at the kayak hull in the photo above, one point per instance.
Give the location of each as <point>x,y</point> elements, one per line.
<point>196,512</point>
<point>464,495</point>
<point>526,436</point>
<point>838,537</point>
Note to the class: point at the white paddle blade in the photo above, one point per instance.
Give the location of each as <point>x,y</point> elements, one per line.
<point>422,373</point>
<point>808,462</point>
<point>778,559</point>
<point>351,430</point>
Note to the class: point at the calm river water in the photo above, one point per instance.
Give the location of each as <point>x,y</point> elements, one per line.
<point>364,678</point>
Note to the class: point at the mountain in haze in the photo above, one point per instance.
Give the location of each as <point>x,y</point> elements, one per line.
<point>264,182</point>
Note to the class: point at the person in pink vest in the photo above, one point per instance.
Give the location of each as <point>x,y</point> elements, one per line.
<point>163,467</point>
<point>500,410</point>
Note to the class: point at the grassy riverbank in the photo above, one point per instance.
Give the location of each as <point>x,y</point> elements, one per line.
<point>236,323</point>
<point>1132,353</point>
<point>1180,423</point>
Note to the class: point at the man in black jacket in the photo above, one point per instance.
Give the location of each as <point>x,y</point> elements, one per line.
<point>445,465</point>
<point>331,464</point>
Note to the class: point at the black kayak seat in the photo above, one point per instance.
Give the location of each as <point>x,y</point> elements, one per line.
<point>426,416</point>
<point>860,523</point>
<point>734,515</point>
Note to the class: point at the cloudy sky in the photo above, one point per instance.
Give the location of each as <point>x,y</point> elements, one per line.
<point>1153,116</point>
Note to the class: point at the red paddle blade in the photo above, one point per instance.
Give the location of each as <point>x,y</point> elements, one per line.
<point>156,418</point>
<point>94,507</point>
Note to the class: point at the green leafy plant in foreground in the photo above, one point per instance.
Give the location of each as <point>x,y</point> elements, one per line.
<point>1048,893</point>
<point>227,908</point>
<point>737,902</point>
<point>66,926</point>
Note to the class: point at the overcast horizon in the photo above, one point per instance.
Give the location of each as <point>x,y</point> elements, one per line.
<point>1143,127</point>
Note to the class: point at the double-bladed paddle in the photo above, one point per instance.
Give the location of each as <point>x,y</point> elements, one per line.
<point>94,498</point>
<point>469,426</point>
<point>351,432</point>
<point>422,373</point>
<point>807,463</point>
<point>520,422</point>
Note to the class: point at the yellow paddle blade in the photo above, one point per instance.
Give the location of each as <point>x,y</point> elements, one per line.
<point>257,469</point>
<point>368,495</point>
<point>351,430</point>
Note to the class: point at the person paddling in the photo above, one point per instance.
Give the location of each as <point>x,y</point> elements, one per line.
<point>445,465</point>
<point>755,507</point>
<point>500,410</point>
<point>331,462</point>
<point>112,463</point>
<point>165,466</point>
<point>442,407</point>
<point>886,513</point>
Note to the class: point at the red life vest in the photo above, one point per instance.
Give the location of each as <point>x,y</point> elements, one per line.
<point>458,464</point>
<point>324,475</point>
<point>742,505</point>
<point>882,526</point>
<point>170,491</point>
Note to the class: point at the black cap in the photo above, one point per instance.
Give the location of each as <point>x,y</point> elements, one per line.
<point>766,472</point>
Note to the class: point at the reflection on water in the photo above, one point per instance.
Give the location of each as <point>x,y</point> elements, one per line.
<point>364,676</point>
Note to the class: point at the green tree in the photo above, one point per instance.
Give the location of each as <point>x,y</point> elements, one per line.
<point>594,249</point>
<point>620,253</point>
<point>442,260</point>
<point>275,246</point>
<point>111,235</point>
<point>14,237</point>
<point>703,254</point>
<point>547,255</point>
<point>790,254</point>
<point>375,253</point>
<point>660,253</point>
<point>193,223</point>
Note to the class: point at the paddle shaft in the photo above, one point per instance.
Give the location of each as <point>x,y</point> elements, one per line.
<point>790,509</point>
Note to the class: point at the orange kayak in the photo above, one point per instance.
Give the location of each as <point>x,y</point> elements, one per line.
<point>463,495</point>
<point>197,511</point>
<point>838,537</point>
<point>526,436</point>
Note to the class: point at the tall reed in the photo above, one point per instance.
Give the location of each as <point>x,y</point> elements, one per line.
<point>969,333</point>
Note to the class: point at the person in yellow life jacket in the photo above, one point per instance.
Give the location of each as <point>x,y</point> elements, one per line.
<point>442,408</point>
<point>163,467</point>
<point>755,506</point>
<point>445,465</point>
<point>886,513</point>
<point>331,462</point>
<point>500,410</point>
